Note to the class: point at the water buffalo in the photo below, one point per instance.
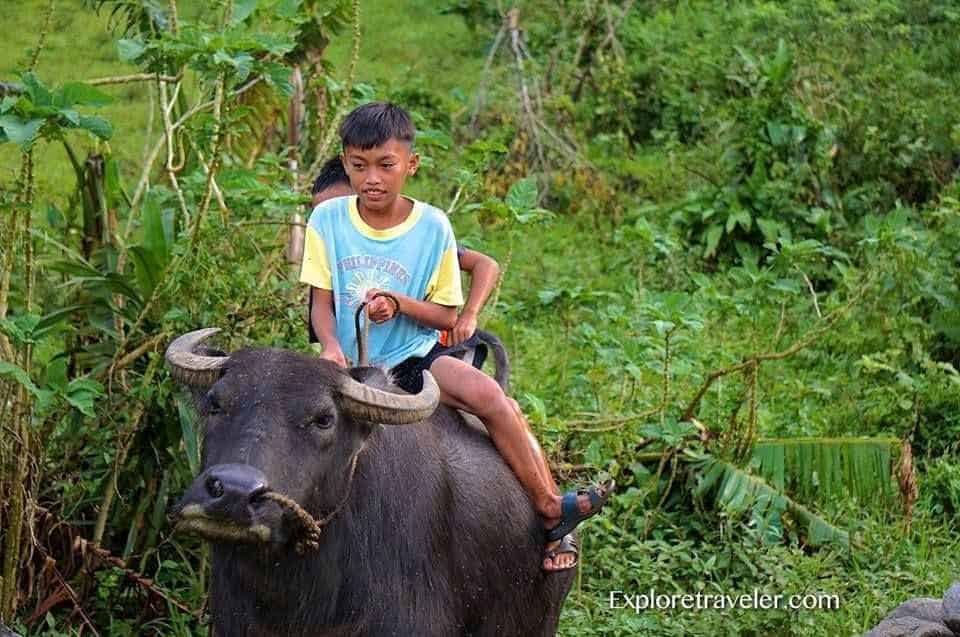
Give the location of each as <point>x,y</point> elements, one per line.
<point>426,530</point>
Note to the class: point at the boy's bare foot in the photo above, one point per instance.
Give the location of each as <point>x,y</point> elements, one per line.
<point>562,554</point>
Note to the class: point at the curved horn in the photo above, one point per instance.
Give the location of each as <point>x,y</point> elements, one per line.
<point>370,404</point>
<point>190,368</point>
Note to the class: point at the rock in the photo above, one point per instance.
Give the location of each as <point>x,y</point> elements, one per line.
<point>951,608</point>
<point>927,608</point>
<point>909,627</point>
<point>6,632</point>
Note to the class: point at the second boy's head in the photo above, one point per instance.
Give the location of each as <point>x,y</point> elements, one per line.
<point>378,153</point>
<point>331,182</point>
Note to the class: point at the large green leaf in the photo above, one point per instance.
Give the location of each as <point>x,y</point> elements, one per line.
<point>827,470</point>
<point>78,93</point>
<point>39,94</point>
<point>522,195</point>
<point>98,126</point>
<point>21,328</point>
<point>242,10</point>
<point>148,269</point>
<point>152,255</point>
<point>18,374</point>
<point>130,49</point>
<point>18,130</point>
<point>81,394</point>
<point>712,239</point>
<point>735,491</point>
<point>157,230</point>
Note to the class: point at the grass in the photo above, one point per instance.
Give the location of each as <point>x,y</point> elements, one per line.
<point>403,45</point>
<point>79,46</point>
<point>407,44</point>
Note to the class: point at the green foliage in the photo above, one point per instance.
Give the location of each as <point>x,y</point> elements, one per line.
<point>518,208</point>
<point>41,112</point>
<point>940,487</point>
<point>744,177</point>
<point>141,16</point>
<point>781,120</point>
<point>825,470</point>
<point>736,492</point>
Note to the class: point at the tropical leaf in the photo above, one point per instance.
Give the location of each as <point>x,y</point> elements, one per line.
<point>98,126</point>
<point>522,195</point>
<point>18,130</point>
<point>825,470</point>
<point>736,492</point>
<point>74,93</point>
<point>18,374</point>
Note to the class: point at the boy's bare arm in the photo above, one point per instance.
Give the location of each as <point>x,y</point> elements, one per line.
<point>484,273</point>
<point>439,317</point>
<point>324,325</point>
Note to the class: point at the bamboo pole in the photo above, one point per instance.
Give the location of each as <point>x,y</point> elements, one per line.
<point>16,493</point>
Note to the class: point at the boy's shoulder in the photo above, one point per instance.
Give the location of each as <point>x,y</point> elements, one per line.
<point>434,217</point>
<point>330,207</point>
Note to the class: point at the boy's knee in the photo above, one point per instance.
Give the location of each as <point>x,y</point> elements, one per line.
<point>490,398</point>
<point>487,399</point>
<point>481,394</point>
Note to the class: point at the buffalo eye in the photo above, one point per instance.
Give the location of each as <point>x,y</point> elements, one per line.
<point>322,421</point>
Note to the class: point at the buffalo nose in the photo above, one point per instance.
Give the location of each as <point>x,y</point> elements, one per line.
<point>229,491</point>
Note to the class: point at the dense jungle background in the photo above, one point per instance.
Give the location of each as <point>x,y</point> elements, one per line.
<point>728,233</point>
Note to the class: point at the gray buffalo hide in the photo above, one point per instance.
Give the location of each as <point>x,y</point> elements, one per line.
<point>909,627</point>
<point>923,617</point>
<point>951,608</point>
<point>926,608</point>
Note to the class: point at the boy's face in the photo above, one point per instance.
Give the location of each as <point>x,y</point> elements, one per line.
<point>377,175</point>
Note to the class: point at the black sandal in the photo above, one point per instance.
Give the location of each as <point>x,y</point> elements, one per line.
<point>570,514</point>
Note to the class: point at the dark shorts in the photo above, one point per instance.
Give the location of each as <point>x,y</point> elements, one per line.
<point>408,375</point>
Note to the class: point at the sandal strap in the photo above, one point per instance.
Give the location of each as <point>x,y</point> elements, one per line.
<point>570,513</point>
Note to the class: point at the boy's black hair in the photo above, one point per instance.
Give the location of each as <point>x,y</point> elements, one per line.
<point>332,174</point>
<point>374,124</point>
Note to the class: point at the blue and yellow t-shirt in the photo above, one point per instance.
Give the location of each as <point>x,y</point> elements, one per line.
<point>417,258</point>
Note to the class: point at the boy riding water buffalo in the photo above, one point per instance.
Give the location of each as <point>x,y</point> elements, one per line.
<point>399,257</point>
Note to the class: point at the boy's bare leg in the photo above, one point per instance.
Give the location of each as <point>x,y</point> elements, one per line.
<point>535,447</point>
<point>462,386</point>
<point>465,387</point>
<point>555,561</point>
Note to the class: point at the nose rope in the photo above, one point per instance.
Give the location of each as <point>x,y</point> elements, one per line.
<point>313,527</point>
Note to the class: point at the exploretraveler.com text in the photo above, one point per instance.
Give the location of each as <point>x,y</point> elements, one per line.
<point>756,600</point>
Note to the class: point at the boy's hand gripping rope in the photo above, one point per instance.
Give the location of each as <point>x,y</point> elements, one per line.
<point>363,334</point>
